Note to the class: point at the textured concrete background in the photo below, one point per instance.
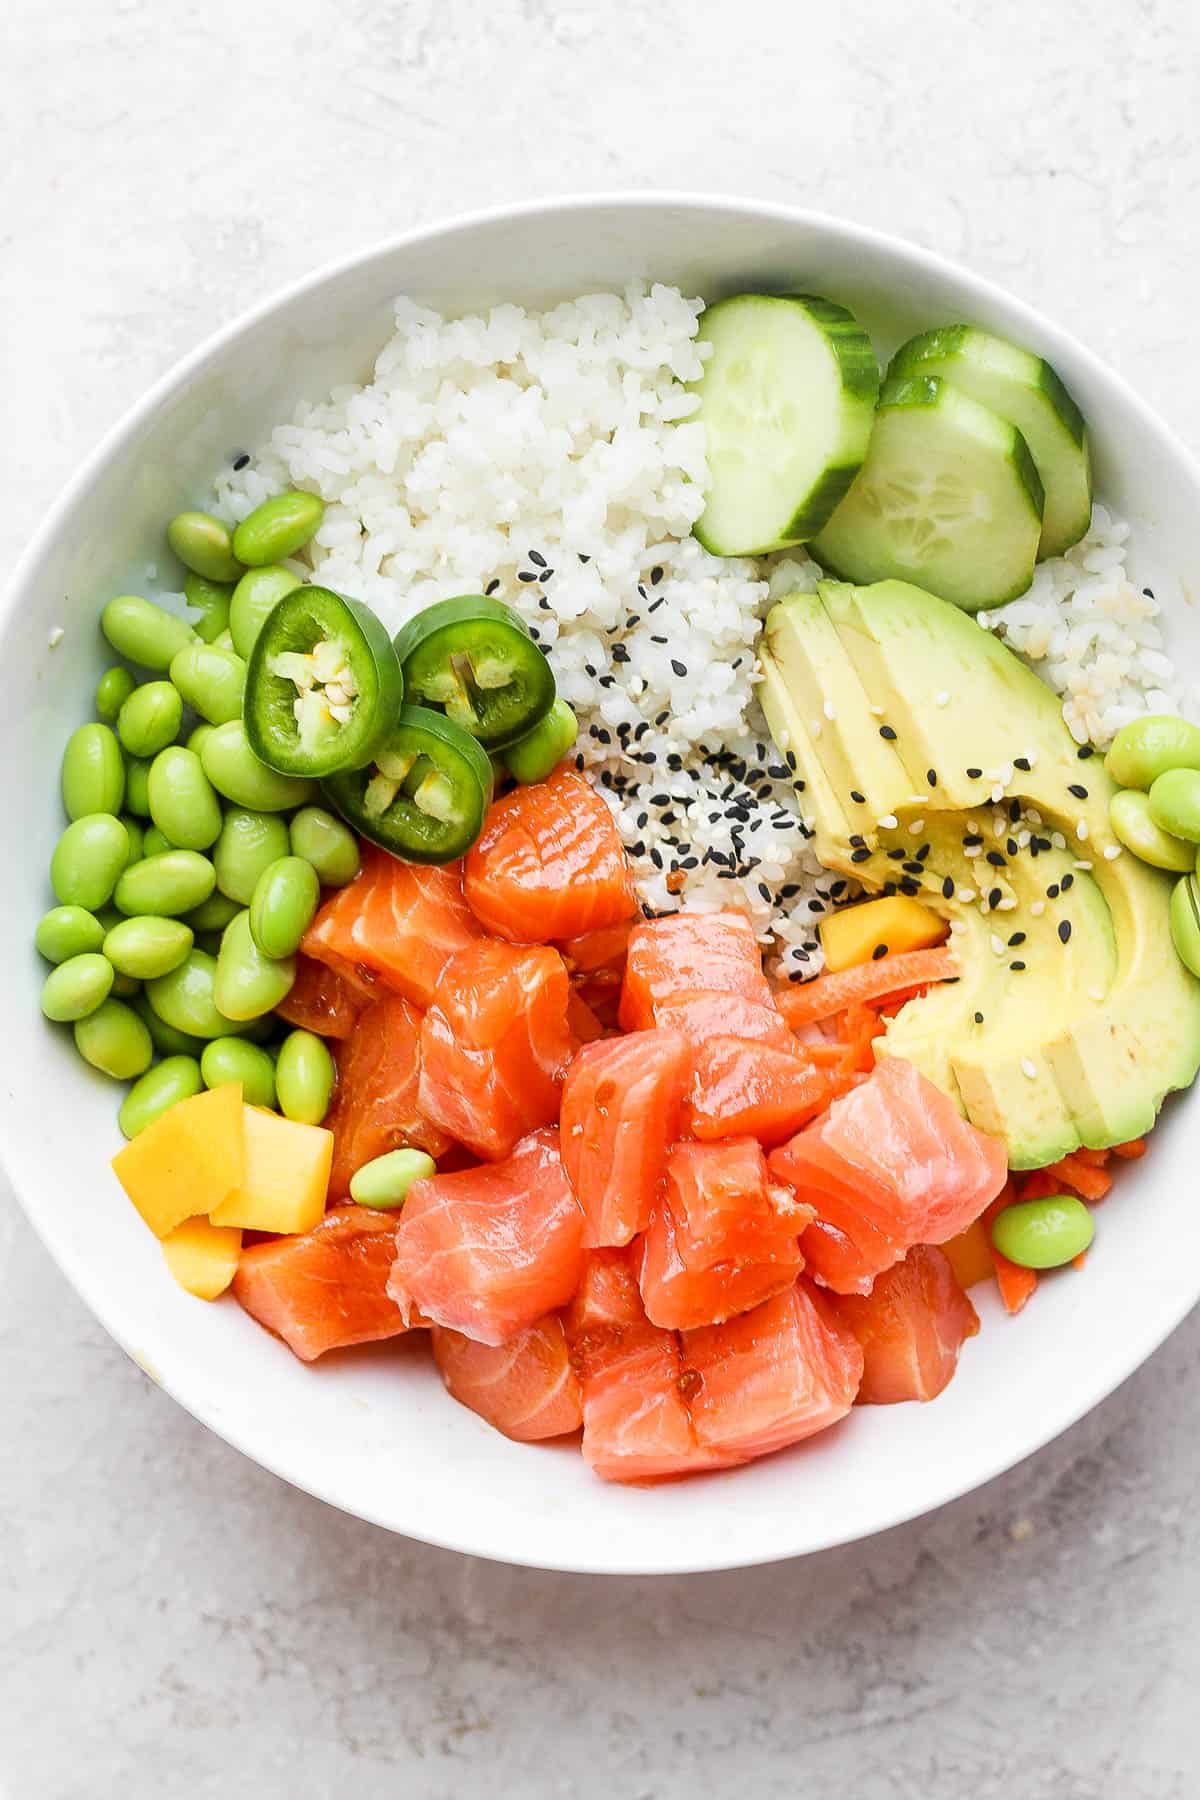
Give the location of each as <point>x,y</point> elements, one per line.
<point>177,1623</point>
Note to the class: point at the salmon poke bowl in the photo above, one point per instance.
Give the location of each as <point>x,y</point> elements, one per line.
<point>611,882</point>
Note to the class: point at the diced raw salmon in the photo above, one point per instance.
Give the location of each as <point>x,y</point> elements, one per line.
<point>890,1165</point>
<point>606,1303</point>
<point>495,1045</point>
<point>488,1251</point>
<point>620,1115</point>
<point>770,1377</point>
<point>526,1388</point>
<point>376,1104</point>
<point>678,1298</point>
<point>321,1000</point>
<point>636,1425</point>
<point>740,1087</point>
<point>911,1326</point>
<point>707,1015</point>
<point>396,924</point>
<point>327,1289</point>
<point>549,863</point>
<point>582,1020</point>
<point>677,957</point>
<point>598,956</point>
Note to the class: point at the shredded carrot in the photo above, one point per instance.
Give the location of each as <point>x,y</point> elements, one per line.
<point>1015,1283</point>
<point>1097,1158</point>
<point>834,993</point>
<point>1077,1262</point>
<point>1132,1150</point>
<point>1039,1184</point>
<point>1084,1178</point>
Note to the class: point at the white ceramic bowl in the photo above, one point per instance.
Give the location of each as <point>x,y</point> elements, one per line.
<point>371,1431</point>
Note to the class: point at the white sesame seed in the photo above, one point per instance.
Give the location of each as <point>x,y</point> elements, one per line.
<point>1023,838</point>
<point>916,828</point>
<point>997,944</point>
<point>1082,864</point>
<point>1058,840</point>
<point>972,850</point>
<point>815,729</point>
<point>1007,905</point>
<point>966,895</point>
<point>876,712</point>
<point>1097,994</point>
<point>56,637</point>
<point>1029,1068</point>
<point>888,822</point>
<point>917,800</point>
<point>942,699</point>
<point>1111,852</point>
<point>998,791</point>
<point>827,709</point>
<point>1033,815</point>
<point>1038,908</point>
<point>1081,831</point>
<point>956,925</point>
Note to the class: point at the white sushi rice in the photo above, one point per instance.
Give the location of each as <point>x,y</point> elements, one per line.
<point>552,460</point>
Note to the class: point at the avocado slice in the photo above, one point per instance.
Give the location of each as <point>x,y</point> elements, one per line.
<point>930,755</point>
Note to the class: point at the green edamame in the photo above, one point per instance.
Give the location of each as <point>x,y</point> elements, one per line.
<point>88,859</point>
<point>236,772</point>
<point>137,838</point>
<point>286,897</point>
<point>250,842</point>
<point>1041,1234</point>
<point>533,756</point>
<point>150,718</point>
<point>115,1041</point>
<point>1184,916</point>
<point>93,772</point>
<point>196,739</point>
<point>225,641</point>
<point>144,633</point>
<point>147,946</point>
<point>1175,803</point>
<point>204,545</point>
<point>304,1077</point>
<point>1129,816</point>
<point>157,1091</point>
<point>137,786</point>
<point>155,843</point>
<point>185,999</point>
<point>233,1059</point>
<point>248,984</point>
<point>182,802</point>
<point>166,1040</point>
<point>165,886</point>
<point>254,599</point>
<point>1146,748</point>
<point>211,681</point>
<point>67,931</point>
<point>112,691</point>
<point>384,1182</point>
<point>76,987</point>
<point>210,599</point>
<point>214,913</point>
<point>327,844</point>
<point>277,528</point>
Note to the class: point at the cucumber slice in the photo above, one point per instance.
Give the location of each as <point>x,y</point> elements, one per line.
<point>1025,390</point>
<point>786,401</point>
<point>948,499</point>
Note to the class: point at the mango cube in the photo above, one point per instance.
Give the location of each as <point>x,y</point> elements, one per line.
<point>187,1161</point>
<point>970,1255</point>
<point>202,1257</point>
<point>286,1176</point>
<point>856,933</point>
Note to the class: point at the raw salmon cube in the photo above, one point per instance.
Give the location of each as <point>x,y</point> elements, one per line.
<point>704,1016</point>
<point>327,1289</point>
<point>911,1327</point>
<point>376,1105</point>
<point>726,1208</point>
<point>396,925</point>
<point>526,1388</point>
<point>636,1424</point>
<point>677,1297</point>
<point>685,954</point>
<point>741,1087</point>
<point>620,1114</point>
<point>321,1000</point>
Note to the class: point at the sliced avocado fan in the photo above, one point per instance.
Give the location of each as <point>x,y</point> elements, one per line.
<point>931,761</point>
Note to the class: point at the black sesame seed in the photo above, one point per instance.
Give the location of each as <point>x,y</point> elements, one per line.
<point>620,654</point>
<point>526,575</point>
<point>1018,937</point>
<point>885,731</point>
<point>579,762</point>
<point>979,1018</point>
<point>1087,750</point>
<point>923,852</point>
<point>858,799</point>
<point>607,681</point>
<point>492,586</point>
<point>590,670</point>
<point>777,772</point>
<point>1023,763</point>
<point>583,558</point>
<point>914,868</point>
<point>1052,891</point>
<point>1014,811</point>
<point>909,886</point>
<point>879,951</point>
<point>948,888</point>
<point>994,896</point>
<point>659,640</point>
<point>662,718</point>
<point>656,574</point>
<point>897,855</point>
<point>631,620</point>
<point>1010,844</point>
<point>764,890</point>
<point>239,462</point>
<point>974,774</point>
<point>814,906</point>
<point>837,889</point>
<point>1077,788</point>
<point>656,857</point>
<point>889,888</point>
<point>860,856</point>
<point>996,859</point>
<point>535,556</point>
<point>931,777</point>
<point>790,760</point>
<point>972,838</point>
<point>1064,931</point>
<point>1016,966</point>
<point>1068,882</point>
<point>857,841</point>
<point>680,668</point>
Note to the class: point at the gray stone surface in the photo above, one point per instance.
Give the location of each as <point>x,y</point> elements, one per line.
<point>176,1623</point>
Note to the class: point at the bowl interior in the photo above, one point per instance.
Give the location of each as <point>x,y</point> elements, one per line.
<point>372,1431</point>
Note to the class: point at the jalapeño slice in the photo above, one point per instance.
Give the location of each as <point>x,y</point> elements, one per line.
<point>323,685</point>
<point>474,658</point>
<point>425,794</point>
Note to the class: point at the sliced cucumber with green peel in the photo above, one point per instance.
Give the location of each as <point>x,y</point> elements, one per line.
<point>948,499</point>
<point>786,400</point>
<point>1025,390</point>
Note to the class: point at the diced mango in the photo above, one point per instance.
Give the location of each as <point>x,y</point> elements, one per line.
<point>187,1161</point>
<point>879,927</point>
<point>970,1255</point>
<point>286,1178</point>
<point>202,1257</point>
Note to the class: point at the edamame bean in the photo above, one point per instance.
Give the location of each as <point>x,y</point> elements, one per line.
<point>236,772</point>
<point>184,999</point>
<point>115,1041</point>
<point>88,859</point>
<point>157,1091</point>
<point>233,1059</point>
<point>136,836</point>
<point>212,681</point>
<point>77,987</point>
<point>225,641</point>
<point>156,843</point>
<point>533,756</point>
<point>137,786</point>
<point>327,844</point>
<point>1129,816</point>
<point>277,528</point>
<point>182,802</point>
<point>1175,803</point>
<point>166,1040</point>
<point>165,886</point>
<point>204,545</point>
<point>304,1077</point>
<point>214,913</point>
<point>286,897</point>
<point>384,1182</point>
<point>150,718</point>
<point>248,984</point>
<point>249,843</point>
<point>67,931</point>
<point>1184,917</point>
<point>112,691</point>
<point>1146,748</point>
<point>93,772</point>
<point>147,946</point>
<point>211,600</point>
<point>147,634</point>
<point>196,739</point>
<point>1040,1234</point>
<point>255,597</point>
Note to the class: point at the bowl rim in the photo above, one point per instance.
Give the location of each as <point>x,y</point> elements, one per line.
<point>1056,1419</point>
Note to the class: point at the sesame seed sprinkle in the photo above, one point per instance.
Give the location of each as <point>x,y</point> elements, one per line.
<point>1029,1068</point>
